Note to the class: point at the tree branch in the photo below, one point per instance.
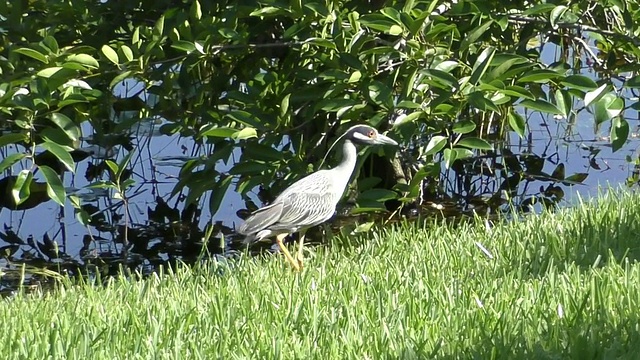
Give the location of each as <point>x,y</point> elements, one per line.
<point>526,19</point>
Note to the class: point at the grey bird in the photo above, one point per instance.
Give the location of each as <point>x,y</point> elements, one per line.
<point>311,200</point>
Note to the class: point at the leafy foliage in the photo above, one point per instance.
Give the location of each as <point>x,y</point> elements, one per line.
<point>277,79</point>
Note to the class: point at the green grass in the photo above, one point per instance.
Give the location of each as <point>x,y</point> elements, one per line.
<point>563,285</point>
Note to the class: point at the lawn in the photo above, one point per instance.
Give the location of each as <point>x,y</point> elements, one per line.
<point>556,285</point>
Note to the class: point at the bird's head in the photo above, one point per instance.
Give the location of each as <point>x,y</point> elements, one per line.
<point>367,135</point>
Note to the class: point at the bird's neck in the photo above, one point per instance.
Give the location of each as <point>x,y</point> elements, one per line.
<point>347,164</point>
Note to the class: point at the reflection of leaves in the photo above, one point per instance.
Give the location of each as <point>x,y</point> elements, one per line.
<point>533,163</point>
<point>48,247</point>
<point>558,172</point>
<point>8,251</point>
<point>11,237</point>
<point>574,179</point>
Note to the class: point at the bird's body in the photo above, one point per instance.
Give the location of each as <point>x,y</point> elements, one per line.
<point>308,202</point>
<point>311,200</point>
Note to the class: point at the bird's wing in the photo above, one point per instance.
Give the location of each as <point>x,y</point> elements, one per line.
<point>307,202</point>
<point>305,209</point>
<point>262,218</point>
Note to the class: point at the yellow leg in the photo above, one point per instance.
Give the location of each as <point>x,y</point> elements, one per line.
<point>300,255</point>
<point>286,253</point>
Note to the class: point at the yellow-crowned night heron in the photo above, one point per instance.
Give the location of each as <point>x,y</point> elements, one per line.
<point>311,200</point>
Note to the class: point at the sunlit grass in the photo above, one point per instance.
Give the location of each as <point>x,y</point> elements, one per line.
<point>563,285</point>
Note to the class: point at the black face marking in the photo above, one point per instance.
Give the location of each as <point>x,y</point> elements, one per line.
<point>362,134</point>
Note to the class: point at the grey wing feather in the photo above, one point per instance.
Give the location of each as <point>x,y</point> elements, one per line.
<point>261,219</point>
<point>307,202</point>
<point>306,209</point>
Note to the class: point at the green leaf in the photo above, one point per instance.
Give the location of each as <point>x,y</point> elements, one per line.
<point>331,105</point>
<point>126,51</point>
<point>84,59</point>
<point>60,153</point>
<point>158,29</point>
<point>11,159</point>
<point>474,35</point>
<point>49,72</point>
<point>321,42</point>
<point>246,133</point>
<point>556,15</point>
<point>69,127</point>
<point>222,132</point>
<point>102,184</point>
<point>284,105</point>
<point>119,78</point>
<point>539,9</point>
<point>595,95</point>
<point>447,66</point>
<point>564,101</point>
<point>517,91</point>
<point>22,187</point>
<point>50,43</point>
<point>579,82</point>
<point>377,22</point>
<point>268,11</point>
<point>55,189</point>
<point>12,138</point>
<point>257,151</point>
<point>244,117</point>
<point>615,107</point>
<point>354,77</point>
<point>475,143</point>
<point>619,132</point>
<point>449,157</point>
<point>408,118</point>
<point>395,30</point>
<point>464,127</point>
<point>441,79</point>
<point>503,63</point>
<point>477,100</point>
<point>110,54</point>
<point>249,167</point>
<point>378,195</point>
<point>186,46</point>
<point>481,64</point>
<point>608,107</point>
<point>539,76</point>
<point>517,123</point>
<point>113,166</point>
<point>634,82</point>
<point>123,165</point>
<point>196,10</point>
<point>436,143</point>
<point>32,54</point>
<point>541,105</point>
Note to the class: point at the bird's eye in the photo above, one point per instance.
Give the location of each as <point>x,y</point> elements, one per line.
<point>372,134</point>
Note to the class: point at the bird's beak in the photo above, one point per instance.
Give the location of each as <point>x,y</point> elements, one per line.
<point>384,140</point>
